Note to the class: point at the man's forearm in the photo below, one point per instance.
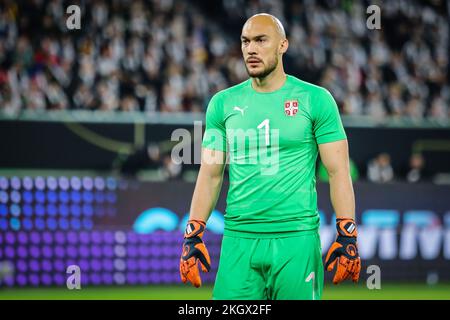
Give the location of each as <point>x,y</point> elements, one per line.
<point>206,193</point>
<point>342,195</point>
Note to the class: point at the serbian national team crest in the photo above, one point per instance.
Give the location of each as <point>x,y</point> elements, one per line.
<point>291,107</point>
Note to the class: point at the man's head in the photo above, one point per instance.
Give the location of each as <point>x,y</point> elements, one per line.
<point>263,42</point>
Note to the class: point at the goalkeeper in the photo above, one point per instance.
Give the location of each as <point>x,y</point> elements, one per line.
<point>272,127</point>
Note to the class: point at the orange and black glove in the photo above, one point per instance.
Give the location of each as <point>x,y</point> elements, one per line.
<point>344,252</point>
<point>194,252</point>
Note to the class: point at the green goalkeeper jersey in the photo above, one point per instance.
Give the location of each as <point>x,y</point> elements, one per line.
<point>272,144</point>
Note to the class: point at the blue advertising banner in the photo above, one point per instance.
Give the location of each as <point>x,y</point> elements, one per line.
<point>129,232</point>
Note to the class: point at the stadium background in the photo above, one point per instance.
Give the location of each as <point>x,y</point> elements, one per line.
<point>86,118</point>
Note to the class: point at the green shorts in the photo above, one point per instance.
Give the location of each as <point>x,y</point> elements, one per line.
<point>264,268</point>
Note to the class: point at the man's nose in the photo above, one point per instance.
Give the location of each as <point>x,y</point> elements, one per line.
<point>251,48</point>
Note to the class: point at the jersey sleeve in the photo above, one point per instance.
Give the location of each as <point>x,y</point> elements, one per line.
<point>215,133</point>
<point>327,123</point>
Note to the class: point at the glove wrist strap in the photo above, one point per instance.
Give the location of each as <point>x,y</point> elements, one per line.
<point>194,228</point>
<point>346,227</point>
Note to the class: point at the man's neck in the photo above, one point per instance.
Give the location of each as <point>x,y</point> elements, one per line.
<point>271,82</point>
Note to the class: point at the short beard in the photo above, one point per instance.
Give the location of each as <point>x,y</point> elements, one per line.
<point>264,73</point>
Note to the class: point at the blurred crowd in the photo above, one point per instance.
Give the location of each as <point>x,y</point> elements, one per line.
<point>173,55</point>
<point>127,55</point>
<point>401,69</point>
<point>380,169</point>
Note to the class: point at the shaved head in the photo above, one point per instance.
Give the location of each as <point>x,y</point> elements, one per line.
<point>268,20</point>
<point>263,43</point>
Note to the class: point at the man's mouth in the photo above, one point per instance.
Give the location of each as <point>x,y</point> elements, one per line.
<point>253,61</point>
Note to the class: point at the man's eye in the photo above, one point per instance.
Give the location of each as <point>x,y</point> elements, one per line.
<point>261,40</point>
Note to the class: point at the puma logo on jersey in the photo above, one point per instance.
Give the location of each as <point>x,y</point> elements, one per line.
<point>240,110</point>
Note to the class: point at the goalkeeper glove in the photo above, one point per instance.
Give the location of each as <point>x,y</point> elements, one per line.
<point>344,252</point>
<point>194,251</point>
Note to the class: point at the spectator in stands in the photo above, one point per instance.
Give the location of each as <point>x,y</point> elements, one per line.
<point>171,170</point>
<point>379,169</point>
<point>416,168</point>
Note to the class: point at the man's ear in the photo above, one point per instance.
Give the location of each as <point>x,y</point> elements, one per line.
<point>284,45</point>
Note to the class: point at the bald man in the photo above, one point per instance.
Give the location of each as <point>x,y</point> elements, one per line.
<point>272,128</point>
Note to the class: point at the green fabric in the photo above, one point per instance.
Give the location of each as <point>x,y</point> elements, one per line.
<point>270,268</point>
<point>272,154</point>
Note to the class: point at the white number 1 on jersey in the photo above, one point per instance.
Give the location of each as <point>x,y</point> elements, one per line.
<point>265,124</point>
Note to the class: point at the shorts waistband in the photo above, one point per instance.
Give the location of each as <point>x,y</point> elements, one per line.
<point>268,235</point>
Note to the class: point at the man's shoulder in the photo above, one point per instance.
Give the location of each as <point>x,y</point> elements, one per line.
<point>231,91</point>
<point>312,89</point>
